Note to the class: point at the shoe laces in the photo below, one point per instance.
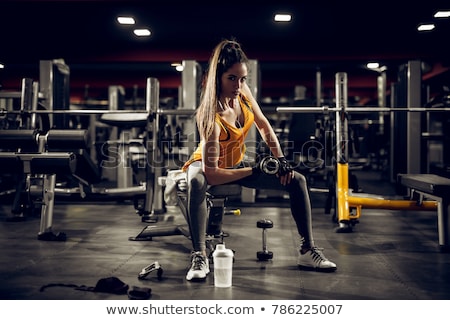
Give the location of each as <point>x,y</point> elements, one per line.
<point>198,261</point>
<point>317,255</point>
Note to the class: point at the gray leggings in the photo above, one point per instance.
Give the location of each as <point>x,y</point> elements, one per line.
<point>197,185</point>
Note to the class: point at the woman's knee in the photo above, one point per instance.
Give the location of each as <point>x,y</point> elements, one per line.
<point>300,177</point>
<point>300,180</point>
<point>198,183</point>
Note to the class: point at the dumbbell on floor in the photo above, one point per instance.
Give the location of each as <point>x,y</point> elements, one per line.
<point>264,224</point>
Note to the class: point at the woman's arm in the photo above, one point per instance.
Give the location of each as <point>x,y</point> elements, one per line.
<point>269,137</point>
<point>210,155</point>
<point>263,125</point>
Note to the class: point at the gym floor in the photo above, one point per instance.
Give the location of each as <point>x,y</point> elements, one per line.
<point>390,255</point>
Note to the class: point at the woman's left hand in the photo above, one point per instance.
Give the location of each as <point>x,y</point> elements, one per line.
<point>285,173</point>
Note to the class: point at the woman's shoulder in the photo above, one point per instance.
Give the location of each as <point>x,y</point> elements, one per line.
<point>243,97</point>
<point>245,101</point>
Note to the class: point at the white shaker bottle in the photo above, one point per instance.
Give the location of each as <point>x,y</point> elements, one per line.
<point>223,266</point>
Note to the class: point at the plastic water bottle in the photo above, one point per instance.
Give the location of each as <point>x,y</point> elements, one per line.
<point>223,266</point>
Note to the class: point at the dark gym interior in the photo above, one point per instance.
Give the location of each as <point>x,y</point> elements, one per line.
<point>95,124</point>
<point>389,255</point>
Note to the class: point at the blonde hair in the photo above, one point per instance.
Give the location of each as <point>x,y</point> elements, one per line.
<point>224,56</point>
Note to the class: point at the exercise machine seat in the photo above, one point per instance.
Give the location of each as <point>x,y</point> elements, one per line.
<point>125,120</point>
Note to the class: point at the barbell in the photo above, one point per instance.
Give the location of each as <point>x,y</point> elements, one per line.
<point>290,109</point>
<point>99,111</point>
<point>326,109</point>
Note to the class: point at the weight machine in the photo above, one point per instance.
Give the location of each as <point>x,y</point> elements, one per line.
<point>38,154</point>
<point>349,205</point>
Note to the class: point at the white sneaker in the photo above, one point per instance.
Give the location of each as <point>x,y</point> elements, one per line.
<point>314,259</point>
<point>199,267</point>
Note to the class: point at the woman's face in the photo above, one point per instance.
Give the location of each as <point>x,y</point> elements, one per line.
<point>232,80</point>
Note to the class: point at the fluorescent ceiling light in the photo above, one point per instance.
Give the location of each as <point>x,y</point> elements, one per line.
<point>178,66</point>
<point>126,20</point>
<point>373,65</point>
<point>2,66</point>
<point>426,27</point>
<point>142,32</point>
<point>279,17</point>
<point>442,14</point>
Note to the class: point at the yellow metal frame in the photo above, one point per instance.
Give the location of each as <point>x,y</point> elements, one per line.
<point>346,202</point>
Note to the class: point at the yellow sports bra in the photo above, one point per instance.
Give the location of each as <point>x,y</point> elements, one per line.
<point>231,138</point>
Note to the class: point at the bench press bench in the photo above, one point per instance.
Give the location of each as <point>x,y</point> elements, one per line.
<point>216,197</point>
<point>436,188</point>
<point>43,167</point>
<point>37,159</point>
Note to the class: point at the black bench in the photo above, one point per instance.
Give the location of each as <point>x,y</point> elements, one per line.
<point>436,188</point>
<point>44,167</point>
<point>216,197</point>
<point>37,158</point>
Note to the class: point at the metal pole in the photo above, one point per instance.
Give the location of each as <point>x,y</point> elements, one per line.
<point>48,199</point>
<point>413,124</point>
<point>191,82</point>
<point>318,88</point>
<point>26,100</point>
<point>381,89</point>
<point>341,118</point>
<point>325,109</point>
<point>342,207</point>
<point>151,106</point>
<point>156,159</point>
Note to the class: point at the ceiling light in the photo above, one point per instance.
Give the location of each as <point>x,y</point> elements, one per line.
<point>442,14</point>
<point>375,66</point>
<point>281,17</point>
<point>142,32</point>
<point>126,20</point>
<point>426,27</point>
<point>178,66</point>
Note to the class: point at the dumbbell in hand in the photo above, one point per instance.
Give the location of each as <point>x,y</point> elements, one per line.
<point>269,165</point>
<point>265,254</point>
<point>273,166</point>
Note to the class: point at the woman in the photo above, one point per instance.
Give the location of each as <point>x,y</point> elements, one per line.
<point>226,113</point>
